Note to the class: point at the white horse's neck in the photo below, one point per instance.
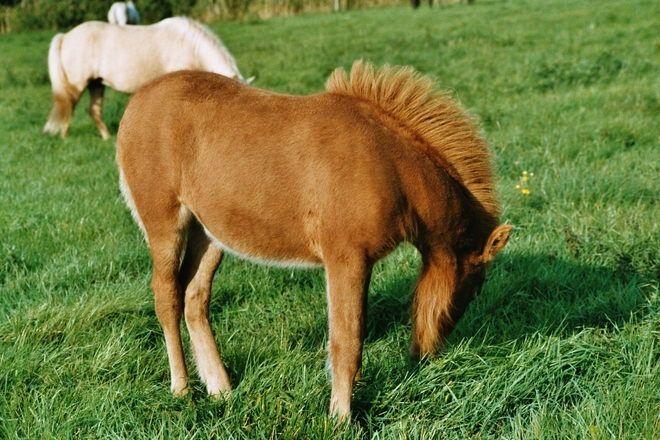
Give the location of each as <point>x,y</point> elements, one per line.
<point>212,55</point>
<point>213,63</point>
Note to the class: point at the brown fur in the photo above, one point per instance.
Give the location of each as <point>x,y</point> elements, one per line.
<point>337,179</point>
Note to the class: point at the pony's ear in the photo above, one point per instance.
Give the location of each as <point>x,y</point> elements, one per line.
<point>497,240</point>
<point>249,80</point>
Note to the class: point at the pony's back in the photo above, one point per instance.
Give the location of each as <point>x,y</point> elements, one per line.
<point>95,54</point>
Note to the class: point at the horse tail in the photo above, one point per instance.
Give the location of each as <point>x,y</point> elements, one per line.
<point>65,95</point>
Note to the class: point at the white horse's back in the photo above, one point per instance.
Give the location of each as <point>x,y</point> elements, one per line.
<point>127,57</point>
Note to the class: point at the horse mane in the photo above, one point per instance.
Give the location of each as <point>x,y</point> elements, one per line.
<point>200,37</point>
<point>444,130</point>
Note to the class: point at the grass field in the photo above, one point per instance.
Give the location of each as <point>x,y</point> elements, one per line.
<point>562,344</point>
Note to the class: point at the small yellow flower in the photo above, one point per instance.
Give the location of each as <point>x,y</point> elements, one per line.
<point>522,186</point>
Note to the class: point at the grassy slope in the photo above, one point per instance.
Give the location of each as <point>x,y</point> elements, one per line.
<point>562,343</point>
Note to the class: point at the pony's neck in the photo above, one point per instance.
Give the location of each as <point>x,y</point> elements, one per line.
<point>447,134</point>
<point>447,209</point>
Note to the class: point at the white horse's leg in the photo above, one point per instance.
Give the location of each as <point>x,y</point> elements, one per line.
<point>200,262</point>
<point>348,284</point>
<point>96,89</point>
<point>59,118</point>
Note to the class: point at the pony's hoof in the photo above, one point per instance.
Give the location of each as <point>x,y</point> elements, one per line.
<point>180,388</point>
<point>340,417</point>
<point>220,396</point>
<point>340,412</point>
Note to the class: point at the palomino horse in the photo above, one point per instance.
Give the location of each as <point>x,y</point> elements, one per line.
<point>337,179</point>
<point>97,54</point>
<point>123,13</point>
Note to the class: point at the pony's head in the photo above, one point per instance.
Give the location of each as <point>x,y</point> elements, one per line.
<point>471,270</point>
<point>450,280</point>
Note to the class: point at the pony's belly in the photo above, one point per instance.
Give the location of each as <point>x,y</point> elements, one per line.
<point>276,256</point>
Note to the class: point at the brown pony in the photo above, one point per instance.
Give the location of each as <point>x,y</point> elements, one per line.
<point>337,179</point>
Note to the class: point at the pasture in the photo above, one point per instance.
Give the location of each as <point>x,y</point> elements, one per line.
<point>562,343</point>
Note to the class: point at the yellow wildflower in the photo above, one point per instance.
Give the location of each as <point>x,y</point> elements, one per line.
<point>522,186</point>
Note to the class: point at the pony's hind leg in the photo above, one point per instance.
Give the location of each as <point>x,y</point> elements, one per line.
<point>166,233</point>
<point>96,90</point>
<point>348,283</point>
<point>200,262</point>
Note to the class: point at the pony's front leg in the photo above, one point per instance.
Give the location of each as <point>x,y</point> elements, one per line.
<point>201,260</point>
<point>96,90</point>
<point>348,284</point>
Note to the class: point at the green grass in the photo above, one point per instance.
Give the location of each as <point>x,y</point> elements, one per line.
<point>563,343</point>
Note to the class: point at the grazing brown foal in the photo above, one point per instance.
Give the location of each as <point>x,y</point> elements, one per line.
<point>337,179</point>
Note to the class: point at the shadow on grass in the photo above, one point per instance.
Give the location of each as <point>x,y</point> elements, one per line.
<point>553,296</point>
<point>524,295</point>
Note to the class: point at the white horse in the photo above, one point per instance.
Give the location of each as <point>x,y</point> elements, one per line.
<point>97,54</point>
<point>123,13</point>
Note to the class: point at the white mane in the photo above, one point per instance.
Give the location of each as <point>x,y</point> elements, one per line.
<point>206,45</point>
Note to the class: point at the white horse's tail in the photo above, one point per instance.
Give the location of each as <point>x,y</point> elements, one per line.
<point>65,95</point>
